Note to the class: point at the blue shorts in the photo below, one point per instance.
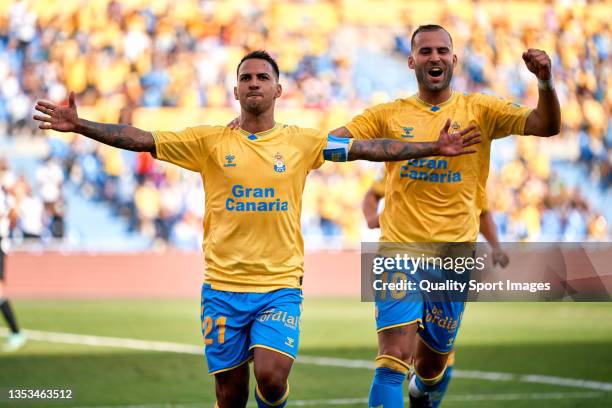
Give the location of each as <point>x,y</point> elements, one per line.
<point>438,320</point>
<point>233,323</point>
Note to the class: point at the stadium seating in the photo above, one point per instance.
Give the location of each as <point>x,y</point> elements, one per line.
<point>158,65</point>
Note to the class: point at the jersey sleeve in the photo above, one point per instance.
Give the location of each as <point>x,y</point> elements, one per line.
<point>370,124</point>
<point>188,148</point>
<point>314,141</point>
<point>483,201</point>
<point>501,117</point>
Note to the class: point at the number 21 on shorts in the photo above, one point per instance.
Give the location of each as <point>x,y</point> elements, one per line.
<point>207,327</point>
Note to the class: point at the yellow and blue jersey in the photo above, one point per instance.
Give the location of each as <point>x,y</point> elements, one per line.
<point>253,187</point>
<point>437,199</point>
<point>378,187</point>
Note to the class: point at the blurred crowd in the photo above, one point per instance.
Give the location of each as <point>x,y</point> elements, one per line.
<point>121,56</point>
<point>529,201</point>
<point>34,210</point>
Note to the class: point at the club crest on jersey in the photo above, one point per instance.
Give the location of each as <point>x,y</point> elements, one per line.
<point>229,161</point>
<point>279,163</point>
<point>407,132</point>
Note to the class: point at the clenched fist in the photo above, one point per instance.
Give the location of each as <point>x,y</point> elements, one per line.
<point>539,63</point>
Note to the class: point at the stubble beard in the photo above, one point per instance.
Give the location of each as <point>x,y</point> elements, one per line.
<point>254,108</point>
<point>422,80</point>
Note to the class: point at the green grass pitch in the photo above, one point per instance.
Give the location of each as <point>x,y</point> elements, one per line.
<point>562,340</point>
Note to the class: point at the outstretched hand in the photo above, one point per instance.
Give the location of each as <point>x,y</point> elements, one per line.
<point>455,144</point>
<point>538,62</point>
<point>60,118</point>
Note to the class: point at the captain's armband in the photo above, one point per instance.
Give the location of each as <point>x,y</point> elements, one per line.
<point>337,148</point>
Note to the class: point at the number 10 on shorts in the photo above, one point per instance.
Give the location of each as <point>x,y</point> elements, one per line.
<point>207,327</point>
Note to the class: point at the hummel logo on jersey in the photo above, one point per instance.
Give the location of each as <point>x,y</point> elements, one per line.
<point>408,132</point>
<point>455,125</point>
<point>289,341</point>
<point>230,160</point>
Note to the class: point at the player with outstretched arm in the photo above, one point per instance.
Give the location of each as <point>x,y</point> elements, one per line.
<point>254,178</point>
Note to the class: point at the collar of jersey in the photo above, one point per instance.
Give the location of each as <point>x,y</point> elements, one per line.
<point>261,134</point>
<point>429,105</point>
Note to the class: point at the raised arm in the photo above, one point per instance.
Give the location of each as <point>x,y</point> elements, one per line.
<point>545,120</point>
<point>66,119</point>
<point>381,150</point>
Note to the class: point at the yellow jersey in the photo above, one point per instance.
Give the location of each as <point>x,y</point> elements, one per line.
<point>437,199</point>
<point>483,200</point>
<point>253,187</point>
<point>378,187</point>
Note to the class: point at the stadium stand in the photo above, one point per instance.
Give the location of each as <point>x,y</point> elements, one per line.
<point>160,65</point>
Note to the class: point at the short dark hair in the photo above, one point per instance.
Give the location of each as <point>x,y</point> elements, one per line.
<point>260,54</point>
<point>426,28</point>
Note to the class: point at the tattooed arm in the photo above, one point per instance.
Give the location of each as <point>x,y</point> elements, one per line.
<point>66,119</point>
<point>121,136</point>
<point>382,150</point>
<point>393,150</point>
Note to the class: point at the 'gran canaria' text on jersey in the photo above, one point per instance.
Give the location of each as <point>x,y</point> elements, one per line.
<point>254,199</point>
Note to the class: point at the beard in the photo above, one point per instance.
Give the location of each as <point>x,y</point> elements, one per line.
<point>256,107</point>
<point>253,108</point>
<point>421,75</point>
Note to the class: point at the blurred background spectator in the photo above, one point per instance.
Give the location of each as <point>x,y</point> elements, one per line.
<point>166,65</point>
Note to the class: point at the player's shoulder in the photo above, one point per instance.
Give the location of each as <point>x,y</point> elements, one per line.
<point>494,104</point>
<point>303,132</point>
<point>210,129</point>
<point>200,131</point>
<point>480,98</point>
<point>390,106</point>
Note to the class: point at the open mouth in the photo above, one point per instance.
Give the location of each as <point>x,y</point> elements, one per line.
<point>435,72</point>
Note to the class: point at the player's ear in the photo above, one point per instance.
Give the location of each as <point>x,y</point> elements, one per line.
<point>454,59</point>
<point>236,92</point>
<point>410,62</point>
<point>279,91</point>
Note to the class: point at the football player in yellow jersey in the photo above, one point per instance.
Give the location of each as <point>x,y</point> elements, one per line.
<point>253,250</point>
<point>370,206</point>
<point>437,200</point>
<point>488,229</point>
